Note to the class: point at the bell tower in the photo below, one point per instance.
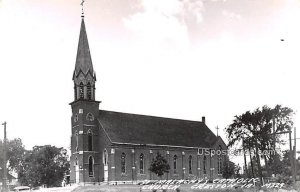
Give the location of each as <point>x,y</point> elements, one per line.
<point>85,152</point>
<point>84,76</point>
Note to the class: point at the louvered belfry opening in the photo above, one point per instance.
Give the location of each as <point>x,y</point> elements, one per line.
<point>89,91</point>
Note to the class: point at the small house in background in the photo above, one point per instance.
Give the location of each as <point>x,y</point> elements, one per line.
<point>11,180</point>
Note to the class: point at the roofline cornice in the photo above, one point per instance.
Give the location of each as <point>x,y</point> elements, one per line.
<point>91,101</point>
<point>155,145</point>
<point>145,115</point>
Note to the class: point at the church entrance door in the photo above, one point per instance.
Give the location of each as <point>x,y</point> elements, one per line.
<point>77,173</point>
<point>105,173</point>
<point>105,158</point>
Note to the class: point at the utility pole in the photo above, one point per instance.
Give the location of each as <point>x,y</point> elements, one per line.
<point>295,162</point>
<point>274,136</point>
<point>4,182</point>
<point>291,154</point>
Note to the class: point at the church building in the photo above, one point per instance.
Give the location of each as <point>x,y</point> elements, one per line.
<point>115,147</point>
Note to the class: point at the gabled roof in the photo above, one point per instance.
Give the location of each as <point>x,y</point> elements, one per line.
<point>83,60</point>
<point>219,140</point>
<point>9,176</point>
<point>150,130</point>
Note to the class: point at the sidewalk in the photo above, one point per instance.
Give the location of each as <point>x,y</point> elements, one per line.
<point>57,189</point>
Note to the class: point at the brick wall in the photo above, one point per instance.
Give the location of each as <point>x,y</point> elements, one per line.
<point>100,143</point>
<point>81,125</point>
<point>182,171</point>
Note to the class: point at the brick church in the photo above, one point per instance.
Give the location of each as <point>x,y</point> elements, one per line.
<point>109,146</point>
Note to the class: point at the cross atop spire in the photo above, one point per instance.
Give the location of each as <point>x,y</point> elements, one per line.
<point>217,128</point>
<point>82,12</point>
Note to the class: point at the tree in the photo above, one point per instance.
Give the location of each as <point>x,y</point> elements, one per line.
<point>15,154</point>
<point>44,165</point>
<point>159,165</point>
<point>237,169</point>
<point>237,133</point>
<point>282,167</point>
<point>228,169</point>
<point>257,129</point>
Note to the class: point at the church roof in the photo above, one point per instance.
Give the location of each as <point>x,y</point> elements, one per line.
<point>149,130</point>
<point>83,59</point>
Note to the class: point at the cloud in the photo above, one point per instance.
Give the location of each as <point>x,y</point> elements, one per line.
<point>231,15</point>
<point>193,10</point>
<point>165,23</point>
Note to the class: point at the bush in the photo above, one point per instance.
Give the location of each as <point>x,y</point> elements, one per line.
<point>284,179</point>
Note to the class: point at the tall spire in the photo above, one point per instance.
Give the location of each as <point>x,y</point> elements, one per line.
<point>83,61</point>
<point>84,76</point>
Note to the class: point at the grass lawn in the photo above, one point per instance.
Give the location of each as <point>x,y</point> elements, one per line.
<point>108,188</point>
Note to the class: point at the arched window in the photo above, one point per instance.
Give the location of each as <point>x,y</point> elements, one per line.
<point>90,117</point>
<point>75,91</point>
<point>190,164</point>
<point>142,163</point>
<point>199,163</point>
<point>220,160</point>
<point>204,165</point>
<point>105,157</point>
<point>219,165</point>
<point>76,148</point>
<point>175,163</point>
<point>91,166</point>
<point>89,91</point>
<point>81,92</point>
<point>76,118</point>
<point>123,163</point>
<point>90,140</point>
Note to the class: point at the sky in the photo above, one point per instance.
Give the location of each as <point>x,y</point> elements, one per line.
<point>173,58</point>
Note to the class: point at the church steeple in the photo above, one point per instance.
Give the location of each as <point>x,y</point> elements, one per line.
<point>84,76</point>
